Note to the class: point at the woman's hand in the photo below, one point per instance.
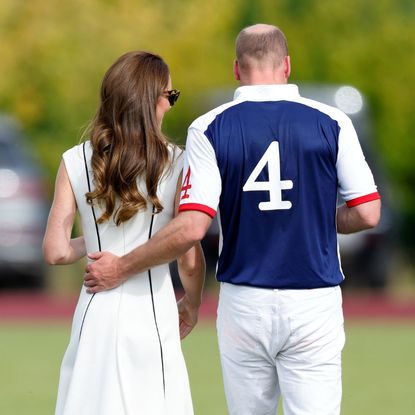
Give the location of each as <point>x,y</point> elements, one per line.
<point>188,316</point>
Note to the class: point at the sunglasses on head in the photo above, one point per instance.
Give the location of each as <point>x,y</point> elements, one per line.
<point>172,96</point>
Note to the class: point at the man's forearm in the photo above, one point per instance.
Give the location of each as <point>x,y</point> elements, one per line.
<point>358,218</point>
<point>176,238</point>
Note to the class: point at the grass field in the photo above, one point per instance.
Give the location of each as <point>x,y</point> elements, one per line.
<point>379,368</point>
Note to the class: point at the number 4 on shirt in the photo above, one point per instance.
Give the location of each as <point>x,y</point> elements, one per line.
<point>186,185</point>
<point>274,185</point>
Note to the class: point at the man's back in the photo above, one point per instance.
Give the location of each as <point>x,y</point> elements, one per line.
<point>277,158</point>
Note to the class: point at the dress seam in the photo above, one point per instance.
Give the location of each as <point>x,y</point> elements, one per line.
<point>154,311</point>
<point>98,237</point>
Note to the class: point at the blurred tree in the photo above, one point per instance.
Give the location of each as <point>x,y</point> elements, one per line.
<point>55,54</point>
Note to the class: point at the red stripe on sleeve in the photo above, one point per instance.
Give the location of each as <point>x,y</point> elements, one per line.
<point>363,199</point>
<point>196,206</point>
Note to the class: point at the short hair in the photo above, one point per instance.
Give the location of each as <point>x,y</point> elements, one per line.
<point>259,44</point>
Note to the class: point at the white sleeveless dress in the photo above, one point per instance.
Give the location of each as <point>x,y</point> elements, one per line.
<point>124,356</point>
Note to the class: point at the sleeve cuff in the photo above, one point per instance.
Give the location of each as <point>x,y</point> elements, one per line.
<point>363,199</point>
<point>196,206</point>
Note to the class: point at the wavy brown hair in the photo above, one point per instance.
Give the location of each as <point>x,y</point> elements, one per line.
<point>127,142</point>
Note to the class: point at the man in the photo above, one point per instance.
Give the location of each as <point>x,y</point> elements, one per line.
<point>270,164</point>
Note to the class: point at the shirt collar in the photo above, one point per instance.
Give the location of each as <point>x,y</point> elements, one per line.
<point>266,92</point>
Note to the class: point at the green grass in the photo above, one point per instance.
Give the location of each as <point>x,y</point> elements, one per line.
<point>379,369</point>
<point>29,366</point>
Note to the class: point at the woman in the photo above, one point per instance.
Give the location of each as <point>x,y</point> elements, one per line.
<point>124,355</point>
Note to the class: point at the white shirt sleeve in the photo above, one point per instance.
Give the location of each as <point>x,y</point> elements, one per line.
<point>356,183</point>
<point>202,182</point>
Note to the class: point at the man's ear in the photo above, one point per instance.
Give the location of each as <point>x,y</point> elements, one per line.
<point>287,67</point>
<point>236,70</point>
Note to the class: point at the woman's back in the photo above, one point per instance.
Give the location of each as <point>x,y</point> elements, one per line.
<point>120,239</point>
<point>124,355</point>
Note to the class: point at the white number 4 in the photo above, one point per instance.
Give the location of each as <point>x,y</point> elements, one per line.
<point>274,185</point>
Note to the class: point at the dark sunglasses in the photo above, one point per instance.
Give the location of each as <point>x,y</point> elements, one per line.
<point>172,96</point>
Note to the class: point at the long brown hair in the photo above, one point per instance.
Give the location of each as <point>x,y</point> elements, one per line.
<point>126,138</point>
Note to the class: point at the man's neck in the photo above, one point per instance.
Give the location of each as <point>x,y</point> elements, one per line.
<point>263,79</point>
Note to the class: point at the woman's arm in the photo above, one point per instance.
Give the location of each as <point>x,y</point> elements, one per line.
<point>58,247</point>
<point>192,269</point>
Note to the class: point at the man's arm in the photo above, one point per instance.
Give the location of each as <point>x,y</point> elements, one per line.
<point>198,205</point>
<point>176,238</point>
<point>357,218</point>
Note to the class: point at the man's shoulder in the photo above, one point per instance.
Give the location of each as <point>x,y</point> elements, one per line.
<point>332,112</point>
<point>202,122</point>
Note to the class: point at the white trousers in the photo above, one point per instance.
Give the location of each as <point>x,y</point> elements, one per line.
<point>285,343</point>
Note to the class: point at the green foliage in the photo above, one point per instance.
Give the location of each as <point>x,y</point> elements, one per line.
<point>54,54</point>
